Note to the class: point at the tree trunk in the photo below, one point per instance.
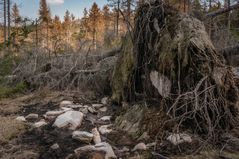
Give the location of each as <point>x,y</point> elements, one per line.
<point>5,23</point>
<point>9,19</point>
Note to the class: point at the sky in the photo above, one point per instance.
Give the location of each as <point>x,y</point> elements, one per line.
<point>29,8</point>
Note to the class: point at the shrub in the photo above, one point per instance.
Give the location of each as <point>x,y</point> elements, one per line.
<point>7,91</point>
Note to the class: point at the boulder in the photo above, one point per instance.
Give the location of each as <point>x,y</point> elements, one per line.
<point>82,136</point>
<point>141,146</point>
<point>177,139</point>
<point>65,103</point>
<point>55,146</point>
<point>32,116</point>
<point>21,118</point>
<point>97,106</point>
<point>105,118</point>
<point>71,119</point>
<point>101,147</point>
<point>96,137</point>
<point>54,113</point>
<point>104,129</point>
<point>103,109</point>
<point>105,100</point>
<point>40,123</point>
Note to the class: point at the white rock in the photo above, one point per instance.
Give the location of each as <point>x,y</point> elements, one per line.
<point>96,136</point>
<point>104,129</point>
<point>105,100</point>
<point>103,109</point>
<point>103,147</point>
<point>109,153</point>
<point>21,118</point>
<point>32,116</point>
<point>177,139</point>
<point>55,146</point>
<point>92,110</point>
<point>84,110</point>
<point>151,144</point>
<point>75,106</point>
<point>65,103</point>
<point>40,123</point>
<point>97,106</point>
<point>54,113</point>
<point>141,146</point>
<point>71,119</point>
<point>105,118</point>
<point>82,136</point>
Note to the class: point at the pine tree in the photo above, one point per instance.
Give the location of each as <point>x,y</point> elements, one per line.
<point>16,18</point>
<point>116,7</point>
<point>16,15</point>
<point>94,17</point>
<point>67,25</point>
<point>44,11</point>
<point>45,17</point>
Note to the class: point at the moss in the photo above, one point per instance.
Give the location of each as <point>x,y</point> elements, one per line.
<point>123,71</point>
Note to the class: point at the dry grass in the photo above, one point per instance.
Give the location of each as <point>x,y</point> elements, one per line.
<point>10,129</point>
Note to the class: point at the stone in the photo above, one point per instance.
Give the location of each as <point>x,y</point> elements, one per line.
<point>54,113</point>
<point>96,136</point>
<point>65,103</point>
<point>177,139</point>
<point>104,129</point>
<point>32,116</point>
<point>84,110</point>
<point>75,106</point>
<point>71,119</point>
<point>40,123</point>
<point>55,146</point>
<point>82,136</point>
<point>92,110</point>
<point>101,147</point>
<point>105,118</point>
<point>141,146</point>
<point>105,100</point>
<point>106,148</point>
<point>21,118</point>
<point>97,106</point>
<point>151,144</point>
<point>103,109</point>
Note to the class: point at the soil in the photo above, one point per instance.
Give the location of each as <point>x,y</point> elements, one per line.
<point>35,143</point>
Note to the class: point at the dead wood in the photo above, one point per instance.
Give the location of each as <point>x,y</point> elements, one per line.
<point>230,51</point>
<point>222,11</point>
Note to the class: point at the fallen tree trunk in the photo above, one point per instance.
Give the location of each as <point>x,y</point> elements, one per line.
<point>230,51</point>
<point>173,61</point>
<point>222,11</point>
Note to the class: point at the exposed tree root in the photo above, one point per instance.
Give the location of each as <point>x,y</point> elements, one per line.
<point>176,63</point>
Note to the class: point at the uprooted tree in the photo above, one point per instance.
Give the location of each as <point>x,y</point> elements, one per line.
<point>172,60</point>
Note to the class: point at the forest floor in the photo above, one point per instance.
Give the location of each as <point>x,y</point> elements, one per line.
<point>21,140</point>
